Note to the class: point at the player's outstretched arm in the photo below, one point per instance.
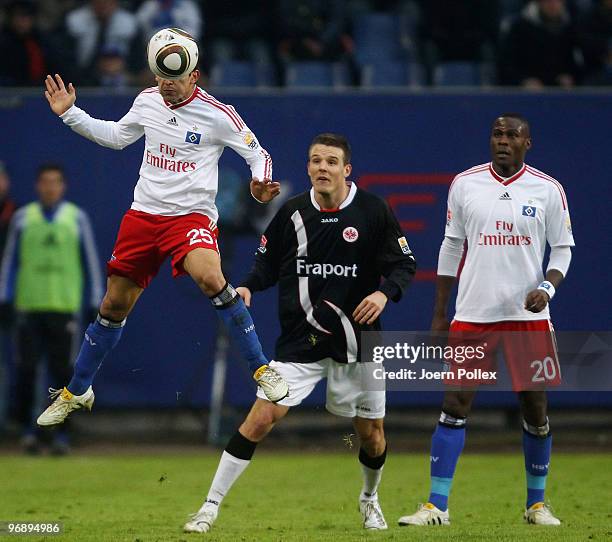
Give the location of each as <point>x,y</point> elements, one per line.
<point>264,191</point>
<point>59,97</point>
<point>111,134</point>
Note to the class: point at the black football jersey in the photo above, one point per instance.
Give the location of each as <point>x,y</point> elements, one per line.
<point>325,263</point>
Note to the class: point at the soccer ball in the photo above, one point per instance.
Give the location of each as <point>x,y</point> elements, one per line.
<point>172,53</point>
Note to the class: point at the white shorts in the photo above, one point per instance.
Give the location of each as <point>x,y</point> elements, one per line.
<point>345,394</point>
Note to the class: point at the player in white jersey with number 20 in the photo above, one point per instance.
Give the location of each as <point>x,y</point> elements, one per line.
<point>507,211</point>
<point>173,215</point>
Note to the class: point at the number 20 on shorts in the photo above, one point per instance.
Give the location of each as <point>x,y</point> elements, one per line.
<point>547,369</point>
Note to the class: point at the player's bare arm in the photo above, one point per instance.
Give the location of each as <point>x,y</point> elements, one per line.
<point>59,97</point>
<point>370,308</point>
<point>537,299</point>
<point>264,191</point>
<point>245,294</point>
<point>444,287</point>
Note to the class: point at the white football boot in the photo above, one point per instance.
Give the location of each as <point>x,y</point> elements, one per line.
<point>65,402</point>
<point>427,514</point>
<point>202,521</point>
<point>272,383</point>
<point>540,514</point>
<point>372,515</point>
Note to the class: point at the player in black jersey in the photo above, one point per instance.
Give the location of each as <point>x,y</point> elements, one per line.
<point>327,249</point>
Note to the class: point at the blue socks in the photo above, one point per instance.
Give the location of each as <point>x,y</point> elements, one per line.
<point>446,446</point>
<point>100,338</point>
<point>103,335</point>
<point>232,310</point>
<point>537,444</point>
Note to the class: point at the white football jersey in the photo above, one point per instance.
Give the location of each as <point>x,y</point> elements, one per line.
<point>183,143</point>
<point>507,223</point>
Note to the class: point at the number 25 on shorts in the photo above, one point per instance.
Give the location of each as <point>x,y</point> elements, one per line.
<point>200,235</point>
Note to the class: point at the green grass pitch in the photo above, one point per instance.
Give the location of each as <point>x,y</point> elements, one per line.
<point>296,497</point>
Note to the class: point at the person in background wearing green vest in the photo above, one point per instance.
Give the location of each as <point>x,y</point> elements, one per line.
<point>50,255</point>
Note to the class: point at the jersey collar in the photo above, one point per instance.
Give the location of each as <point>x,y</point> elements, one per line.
<point>506,181</point>
<point>184,102</point>
<point>348,200</point>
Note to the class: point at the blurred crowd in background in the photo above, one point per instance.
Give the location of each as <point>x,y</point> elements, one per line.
<point>316,43</point>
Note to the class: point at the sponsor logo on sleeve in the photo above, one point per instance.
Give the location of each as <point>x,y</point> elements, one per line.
<point>250,141</point>
<point>568,224</point>
<point>449,217</point>
<point>404,245</point>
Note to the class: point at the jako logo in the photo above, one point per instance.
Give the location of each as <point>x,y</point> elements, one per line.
<point>326,220</point>
<point>540,467</point>
<point>88,339</point>
<point>433,459</point>
<point>250,328</point>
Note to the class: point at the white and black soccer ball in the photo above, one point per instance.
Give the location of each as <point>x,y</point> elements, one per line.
<point>172,53</point>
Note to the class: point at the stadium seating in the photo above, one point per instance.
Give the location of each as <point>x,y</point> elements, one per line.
<point>392,74</point>
<point>317,74</point>
<point>459,74</point>
<point>233,73</point>
<point>377,38</point>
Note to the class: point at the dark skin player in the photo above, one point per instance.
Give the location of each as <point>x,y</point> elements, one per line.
<point>510,140</point>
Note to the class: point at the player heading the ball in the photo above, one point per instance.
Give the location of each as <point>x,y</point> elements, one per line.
<point>173,214</point>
